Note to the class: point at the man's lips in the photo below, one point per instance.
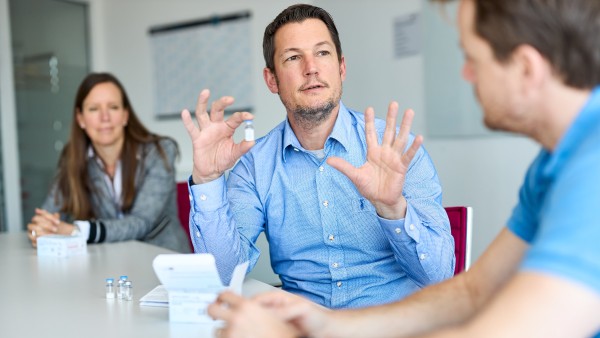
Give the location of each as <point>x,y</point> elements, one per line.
<point>313,86</point>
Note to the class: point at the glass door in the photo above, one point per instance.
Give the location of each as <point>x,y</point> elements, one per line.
<point>2,204</point>
<point>50,58</point>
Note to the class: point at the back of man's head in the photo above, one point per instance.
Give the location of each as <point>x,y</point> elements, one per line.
<point>565,32</point>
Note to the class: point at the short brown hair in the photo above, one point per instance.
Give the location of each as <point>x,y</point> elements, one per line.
<point>565,32</point>
<point>297,13</point>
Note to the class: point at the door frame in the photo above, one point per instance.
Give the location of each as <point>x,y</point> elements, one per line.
<point>11,177</point>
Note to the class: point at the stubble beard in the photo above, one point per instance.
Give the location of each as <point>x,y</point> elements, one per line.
<point>307,117</point>
<point>310,117</point>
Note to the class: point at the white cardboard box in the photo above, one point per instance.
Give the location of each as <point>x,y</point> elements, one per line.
<point>192,282</point>
<point>61,246</point>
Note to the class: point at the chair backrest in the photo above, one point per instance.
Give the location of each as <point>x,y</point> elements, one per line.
<point>461,227</point>
<point>183,209</point>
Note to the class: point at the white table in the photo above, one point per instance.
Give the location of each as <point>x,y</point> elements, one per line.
<point>65,297</point>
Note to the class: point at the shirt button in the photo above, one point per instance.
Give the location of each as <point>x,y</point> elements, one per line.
<point>398,230</point>
<point>321,168</point>
<point>203,197</point>
<point>339,284</point>
<point>422,256</point>
<point>335,265</point>
<point>331,237</point>
<point>296,149</point>
<point>198,234</point>
<point>326,203</point>
<point>411,227</point>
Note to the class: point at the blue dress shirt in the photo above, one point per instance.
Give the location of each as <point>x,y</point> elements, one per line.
<point>326,241</point>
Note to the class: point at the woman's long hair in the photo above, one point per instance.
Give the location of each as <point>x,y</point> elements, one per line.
<point>73,183</point>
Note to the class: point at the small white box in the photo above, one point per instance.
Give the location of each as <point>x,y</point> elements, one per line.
<point>61,246</point>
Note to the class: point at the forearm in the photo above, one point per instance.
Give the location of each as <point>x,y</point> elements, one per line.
<point>219,236</point>
<point>130,227</point>
<point>219,233</point>
<point>423,246</point>
<point>448,303</point>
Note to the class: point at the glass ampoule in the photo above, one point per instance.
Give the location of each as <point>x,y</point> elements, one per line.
<point>128,291</point>
<point>121,286</point>
<point>110,288</point>
<point>249,130</point>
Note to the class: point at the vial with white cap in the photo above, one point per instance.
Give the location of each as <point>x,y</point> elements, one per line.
<point>110,288</point>
<point>249,131</point>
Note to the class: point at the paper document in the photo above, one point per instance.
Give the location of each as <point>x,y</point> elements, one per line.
<point>158,297</point>
<point>190,283</point>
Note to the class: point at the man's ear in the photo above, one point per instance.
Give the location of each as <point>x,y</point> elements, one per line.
<point>271,80</point>
<point>532,67</point>
<point>343,68</point>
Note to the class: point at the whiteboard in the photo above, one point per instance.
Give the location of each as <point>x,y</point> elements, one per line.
<point>213,53</point>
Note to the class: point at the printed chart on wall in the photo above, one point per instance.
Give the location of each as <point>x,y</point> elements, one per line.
<point>213,53</point>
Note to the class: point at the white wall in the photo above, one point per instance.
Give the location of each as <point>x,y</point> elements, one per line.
<point>374,78</point>
<point>483,172</point>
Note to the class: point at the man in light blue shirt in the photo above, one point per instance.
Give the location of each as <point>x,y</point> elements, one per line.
<point>341,232</point>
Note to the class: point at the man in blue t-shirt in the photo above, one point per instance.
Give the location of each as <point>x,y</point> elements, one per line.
<point>535,66</point>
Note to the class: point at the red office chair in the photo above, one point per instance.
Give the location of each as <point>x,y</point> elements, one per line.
<point>183,209</point>
<point>460,226</point>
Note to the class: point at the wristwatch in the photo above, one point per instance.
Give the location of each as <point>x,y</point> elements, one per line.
<point>75,231</point>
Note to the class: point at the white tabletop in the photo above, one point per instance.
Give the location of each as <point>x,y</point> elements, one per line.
<point>65,297</point>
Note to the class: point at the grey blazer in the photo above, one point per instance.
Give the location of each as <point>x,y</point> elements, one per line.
<point>153,215</point>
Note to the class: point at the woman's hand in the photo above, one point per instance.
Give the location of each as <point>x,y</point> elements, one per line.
<point>45,223</point>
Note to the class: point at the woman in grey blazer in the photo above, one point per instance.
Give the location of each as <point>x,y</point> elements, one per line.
<point>115,179</point>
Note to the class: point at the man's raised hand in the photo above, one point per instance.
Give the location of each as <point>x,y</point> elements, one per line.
<point>212,139</point>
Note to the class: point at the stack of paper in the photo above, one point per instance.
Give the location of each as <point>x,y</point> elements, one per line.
<point>190,283</point>
<point>158,297</point>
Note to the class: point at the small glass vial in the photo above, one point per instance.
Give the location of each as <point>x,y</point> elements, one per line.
<point>110,288</point>
<point>128,291</point>
<point>249,131</point>
<point>121,286</point>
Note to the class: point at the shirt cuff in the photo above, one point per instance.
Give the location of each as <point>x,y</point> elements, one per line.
<point>84,227</point>
<point>208,196</point>
<point>405,229</point>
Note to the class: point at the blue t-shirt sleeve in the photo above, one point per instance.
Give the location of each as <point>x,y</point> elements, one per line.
<point>567,242</point>
<point>524,219</point>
